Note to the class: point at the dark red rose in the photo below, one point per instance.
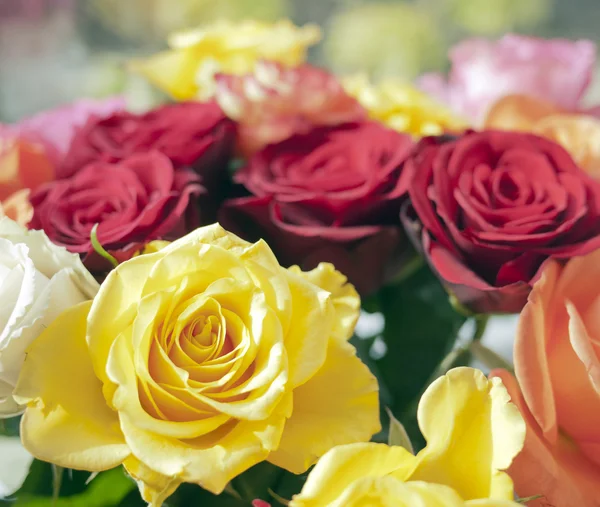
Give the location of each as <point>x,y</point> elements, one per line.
<point>488,208</point>
<point>332,195</point>
<point>191,134</point>
<point>137,200</point>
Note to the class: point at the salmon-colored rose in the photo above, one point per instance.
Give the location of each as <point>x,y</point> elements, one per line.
<point>557,364</point>
<point>22,165</point>
<point>578,133</point>
<point>17,207</point>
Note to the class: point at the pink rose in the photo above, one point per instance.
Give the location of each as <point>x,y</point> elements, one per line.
<point>556,70</point>
<point>276,102</point>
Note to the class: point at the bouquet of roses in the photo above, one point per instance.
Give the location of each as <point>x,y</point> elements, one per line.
<point>180,289</point>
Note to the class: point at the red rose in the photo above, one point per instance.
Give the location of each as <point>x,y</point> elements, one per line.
<point>191,134</point>
<point>331,195</point>
<point>490,207</point>
<point>134,201</point>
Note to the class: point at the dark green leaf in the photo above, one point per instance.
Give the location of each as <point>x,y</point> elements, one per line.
<point>108,489</point>
<point>10,427</point>
<point>397,433</point>
<point>420,330</point>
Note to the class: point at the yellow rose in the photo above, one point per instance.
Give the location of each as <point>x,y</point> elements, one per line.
<point>402,107</point>
<point>473,432</point>
<point>196,362</point>
<point>187,70</point>
<point>152,247</point>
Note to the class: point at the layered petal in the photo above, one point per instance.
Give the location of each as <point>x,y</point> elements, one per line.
<point>472,434</point>
<point>347,464</point>
<point>344,297</point>
<point>67,422</point>
<point>555,470</point>
<point>154,488</point>
<point>555,70</point>
<point>338,405</point>
<point>188,69</point>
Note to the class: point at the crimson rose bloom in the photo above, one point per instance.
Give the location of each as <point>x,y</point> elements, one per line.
<point>135,201</point>
<point>333,194</point>
<point>490,207</point>
<point>191,134</point>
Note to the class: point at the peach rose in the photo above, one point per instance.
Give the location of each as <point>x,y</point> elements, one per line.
<point>23,166</point>
<point>17,207</point>
<point>578,133</point>
<point>557,364</point>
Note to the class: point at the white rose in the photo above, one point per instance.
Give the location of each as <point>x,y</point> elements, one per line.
<point>38,280</point>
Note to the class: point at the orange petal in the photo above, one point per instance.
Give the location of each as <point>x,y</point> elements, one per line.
<point>17,207</point>
<point>578,134</point>
<point>23,165</point>
<point>531,356</point>
<point>558,471</point>
<point>518,112</point>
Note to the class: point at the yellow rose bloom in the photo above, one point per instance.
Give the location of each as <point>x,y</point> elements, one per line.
<point>402,107</point>
<point>152,247</point>
<point>187,69</point>
<point>196,362</point>
<point>473,432</point>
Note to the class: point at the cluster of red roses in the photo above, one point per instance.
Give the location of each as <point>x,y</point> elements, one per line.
<point>485,208</point>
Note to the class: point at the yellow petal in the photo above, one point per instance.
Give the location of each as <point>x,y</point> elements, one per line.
<point>346,300</point>
<point>210,461</point>
<point>152,247</point>
<point>154,488</point>
<point>472,432</point>
<point>171,71</point>
<point>339,405</point>
<point>344,465</point>
<point>67,421</point>
<point>391,492</point>
<point>122,288</point>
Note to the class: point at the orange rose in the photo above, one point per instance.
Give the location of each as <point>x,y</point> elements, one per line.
<point>578,133</point>
<point>557,363</point>
<point>17,207</point>
<point>23,165</point>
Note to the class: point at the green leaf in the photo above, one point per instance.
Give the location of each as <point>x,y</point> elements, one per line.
<point>529,499</point>
<point>256,482</point>
<point>397,433</point>
<point>10,427</point>
<point>108,489</point>
<point>420,330</point>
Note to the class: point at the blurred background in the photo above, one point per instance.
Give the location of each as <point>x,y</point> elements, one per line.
<point>52,51</point>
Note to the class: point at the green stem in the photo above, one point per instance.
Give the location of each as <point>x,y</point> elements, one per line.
<point>97,246</point>
<point>57,476</point>
<point>481,322</point>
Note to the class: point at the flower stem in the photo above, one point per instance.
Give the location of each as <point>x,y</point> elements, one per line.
<point>99,249</point>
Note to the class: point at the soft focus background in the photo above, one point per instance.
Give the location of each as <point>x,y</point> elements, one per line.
<point>54,50</point>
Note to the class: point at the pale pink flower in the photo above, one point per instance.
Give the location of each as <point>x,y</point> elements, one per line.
<point>555,70</point>
<point>54,129</point>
